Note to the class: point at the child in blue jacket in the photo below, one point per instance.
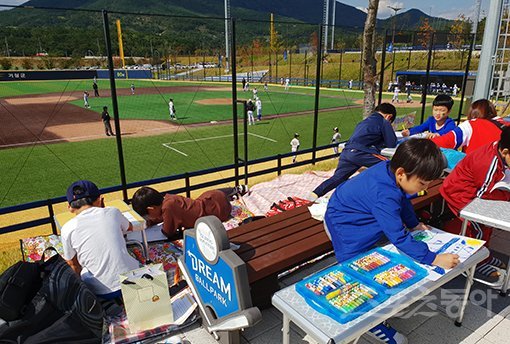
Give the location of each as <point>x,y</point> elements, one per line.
<point>374,204</point>
<point>363,148</point>
<point>439,123</point>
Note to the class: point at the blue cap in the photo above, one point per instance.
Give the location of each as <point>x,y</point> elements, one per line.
<point>82,189</point>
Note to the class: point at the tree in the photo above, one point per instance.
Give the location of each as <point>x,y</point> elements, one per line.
<point>369,61</point>
<point>459,31</point>
<point>314,41</point>
<point>425,33</point>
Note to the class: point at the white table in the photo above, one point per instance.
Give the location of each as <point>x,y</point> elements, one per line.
<point>325,330</point>
<point>493,214</point>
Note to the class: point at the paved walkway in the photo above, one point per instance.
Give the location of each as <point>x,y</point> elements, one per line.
<point>486,321</point>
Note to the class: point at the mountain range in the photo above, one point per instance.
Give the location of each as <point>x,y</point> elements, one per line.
<point>200,27</point>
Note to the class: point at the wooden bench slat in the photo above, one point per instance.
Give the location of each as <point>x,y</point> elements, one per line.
<point>289,256</point>
<point>280,242</point>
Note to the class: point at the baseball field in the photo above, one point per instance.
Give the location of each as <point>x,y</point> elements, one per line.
<point>48,138</point>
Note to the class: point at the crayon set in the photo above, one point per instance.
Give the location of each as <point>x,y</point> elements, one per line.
<point>350,296</point>
<point>395,276</point>
<point>369,262</point>
<point>327,283</point>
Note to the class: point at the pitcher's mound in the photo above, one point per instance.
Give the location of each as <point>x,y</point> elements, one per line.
<point>215,101</point>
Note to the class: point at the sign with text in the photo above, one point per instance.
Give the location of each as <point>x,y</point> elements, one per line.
<point>216,272</point>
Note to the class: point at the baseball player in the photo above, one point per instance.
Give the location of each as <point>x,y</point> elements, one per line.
<point>258,105</point>
<point>287,84</point>
<point>96,90</point>
<point>105,116</point>
<point>255,92</point>
<point>249,108</point>
<point>86,99</point>
<point>396,91</point>
<point>294,146</point>
<point>336,139</point>
<point>132,88</point>
<point>171,109</point>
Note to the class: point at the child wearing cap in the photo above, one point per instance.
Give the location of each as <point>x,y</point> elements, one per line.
<point>93,241</point>
<point>178,212</point>
<point>437,124</point>
<point>294,146</point>
<point>374,205</point>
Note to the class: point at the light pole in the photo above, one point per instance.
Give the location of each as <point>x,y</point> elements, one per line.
<point>395,9</point>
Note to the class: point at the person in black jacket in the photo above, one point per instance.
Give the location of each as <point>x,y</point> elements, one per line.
<point>105,116</point>
<point>250,107</point>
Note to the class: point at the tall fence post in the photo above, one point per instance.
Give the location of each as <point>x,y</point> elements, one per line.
<point>233,66</point>
<point>187,184</point>
<point>317,93</point>
<point>383,67</point>
<point>245,136</point>
<point>427,75</point>
<point>115,105</point>
<point>464,79</point>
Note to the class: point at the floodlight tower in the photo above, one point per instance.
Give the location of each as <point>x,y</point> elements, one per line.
<point>227,41</point>
<point>325,21</point>
<point>395,9</point>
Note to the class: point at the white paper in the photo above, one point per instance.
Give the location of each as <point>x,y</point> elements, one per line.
<point>153,233</point>
<point>183,305</point>
<point>436,239</point>
<point>137,225</point>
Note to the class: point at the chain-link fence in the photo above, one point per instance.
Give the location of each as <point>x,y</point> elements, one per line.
<point>178,102</point>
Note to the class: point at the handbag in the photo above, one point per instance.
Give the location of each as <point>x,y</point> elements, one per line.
<point>146,298</point>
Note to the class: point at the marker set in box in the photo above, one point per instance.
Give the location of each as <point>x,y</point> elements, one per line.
<point>348,290</point>
<point>388,269</point>
<point>339,295</point>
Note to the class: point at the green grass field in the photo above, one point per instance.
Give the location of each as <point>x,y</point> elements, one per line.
<point>44,171</point>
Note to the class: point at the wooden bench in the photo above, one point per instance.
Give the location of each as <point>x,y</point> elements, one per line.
<point>275,244</point>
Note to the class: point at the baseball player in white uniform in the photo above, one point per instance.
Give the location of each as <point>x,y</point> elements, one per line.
<point>294,146</point>
<point>336,139</point>
<point>171,109</point>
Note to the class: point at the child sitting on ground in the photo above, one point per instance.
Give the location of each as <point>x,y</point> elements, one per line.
<point>178,212</point>
<point>437,124</point>
<point>374,204</point>
<point>475,176</point>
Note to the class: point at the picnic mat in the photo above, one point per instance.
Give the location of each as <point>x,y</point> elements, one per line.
<point>263,195</point>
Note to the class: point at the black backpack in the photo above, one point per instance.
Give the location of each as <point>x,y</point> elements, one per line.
<point>63,310</point>
<point>18,285</point>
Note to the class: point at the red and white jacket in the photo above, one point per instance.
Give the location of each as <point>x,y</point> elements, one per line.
<point>471,134</point>
<point>475,176</point>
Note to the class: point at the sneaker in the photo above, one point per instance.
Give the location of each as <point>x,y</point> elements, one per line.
<point>387,334</point>
<point>242,189</point>
<point>487,273</point>
<point>496,262</point>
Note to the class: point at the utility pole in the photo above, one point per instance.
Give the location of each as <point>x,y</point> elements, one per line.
<point>7,53</point>
<point>476,18</point>
<point>325,22</point>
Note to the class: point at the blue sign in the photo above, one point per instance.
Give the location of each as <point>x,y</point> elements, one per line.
<point>215,283</point>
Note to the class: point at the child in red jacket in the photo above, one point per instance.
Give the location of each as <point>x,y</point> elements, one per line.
<point>475,176</point>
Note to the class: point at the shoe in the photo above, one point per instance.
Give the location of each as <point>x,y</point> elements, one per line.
<point>387,334</point>
<point>487,273</point>
<point>496,262</point>
<point>242,189</point>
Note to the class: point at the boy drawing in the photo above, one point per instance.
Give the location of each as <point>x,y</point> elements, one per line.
<point>437,124</point>
<point>476,176</point>
<point>178,212</point>
<point>364,147</point>
<point>374,204</point>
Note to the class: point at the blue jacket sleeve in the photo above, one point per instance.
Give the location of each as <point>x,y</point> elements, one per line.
<point>422,127</point>
<point>390,139</point>
<point>449,126</point>
<point>408,215</point>
<point>387,212</point>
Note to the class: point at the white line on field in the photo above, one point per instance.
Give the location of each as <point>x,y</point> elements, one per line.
<point>172,148</point>
<point>262,137</point>
<point>168,145</point>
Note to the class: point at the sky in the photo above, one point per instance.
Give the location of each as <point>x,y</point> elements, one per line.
<point>438,8</point>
